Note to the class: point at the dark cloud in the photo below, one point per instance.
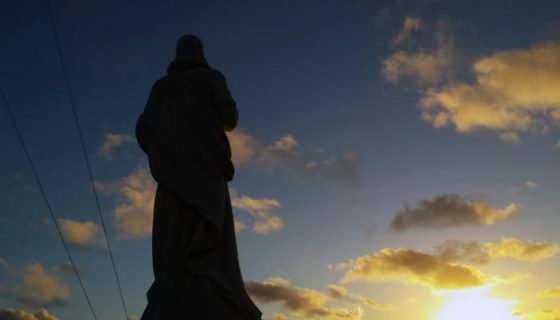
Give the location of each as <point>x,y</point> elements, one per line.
<point>304,302</point>
<point>450,210</point>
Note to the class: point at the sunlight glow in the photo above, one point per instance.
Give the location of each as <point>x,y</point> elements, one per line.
<point>475,303</point>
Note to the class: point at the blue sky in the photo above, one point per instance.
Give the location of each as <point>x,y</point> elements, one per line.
<point>350,110</point>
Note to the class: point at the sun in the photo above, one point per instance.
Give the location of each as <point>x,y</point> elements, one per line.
<point>475,304</point>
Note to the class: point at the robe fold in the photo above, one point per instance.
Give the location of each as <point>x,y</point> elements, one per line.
<point>196,266</point>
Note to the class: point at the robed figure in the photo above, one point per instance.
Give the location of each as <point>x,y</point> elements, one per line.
<point>182,131</point>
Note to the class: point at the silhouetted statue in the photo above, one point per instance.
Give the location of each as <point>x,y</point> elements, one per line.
<point>182,130</point>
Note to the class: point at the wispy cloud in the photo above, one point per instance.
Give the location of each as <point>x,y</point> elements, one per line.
<point>528,185</point>
<point>483,253</point>
<point>111,142</point>
<point>450,210</point>
<point>13,314</point>
<point>284,155</point>
<point>263,221</point>
<point>539,314</point>
<point>510,137</point>
<point>423,63</point>
<point>410,25</point>
<point>38,287</point>
<point>550,293</point>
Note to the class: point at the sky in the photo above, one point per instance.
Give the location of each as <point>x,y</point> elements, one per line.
<point>395,159</point>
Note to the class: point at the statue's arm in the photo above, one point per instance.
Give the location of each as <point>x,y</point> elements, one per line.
<point>224,103</point>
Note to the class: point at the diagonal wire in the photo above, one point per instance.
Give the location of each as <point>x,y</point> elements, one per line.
<point>43,194</point>
<point>82,143</point>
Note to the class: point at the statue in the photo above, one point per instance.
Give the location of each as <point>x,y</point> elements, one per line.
<point>182,131</point>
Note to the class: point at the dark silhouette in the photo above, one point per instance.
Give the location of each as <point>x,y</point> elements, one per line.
<point>182,130</point>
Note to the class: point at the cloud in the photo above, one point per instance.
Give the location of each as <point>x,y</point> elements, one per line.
<point>279,316</point>
<point>528,185</point>
<point>513,91</point>
<point>239,225</point>
<point>416,267</point>
<point>539,314</point>
<point>427,63</point>
<point>113,141</point>
<point>306,303</point>
<point>450,210</point>
<point>550,293</point>
<point>263,221</point>
<point>12,314</point>
<point>340,292</point>
<point>135,197</point>
<point>83,234</point>
<point>510,137</point>
<point>531,184</point>
<point>285,156</point>
<point>484,253</point>
<point>524,251</point>
<point>449,268</point>
<point>38,287</point>
<point>410,25</point>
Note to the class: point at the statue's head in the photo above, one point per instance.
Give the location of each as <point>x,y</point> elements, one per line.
<point>190,48</point>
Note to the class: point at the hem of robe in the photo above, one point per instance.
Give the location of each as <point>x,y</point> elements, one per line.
<point>203,242</point>
<point>200,254</point>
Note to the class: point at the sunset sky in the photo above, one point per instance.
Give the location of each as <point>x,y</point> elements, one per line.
<point>395,159</point>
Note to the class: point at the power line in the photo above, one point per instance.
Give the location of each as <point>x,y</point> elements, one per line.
<point>82,143</point>
<point>43,194</point>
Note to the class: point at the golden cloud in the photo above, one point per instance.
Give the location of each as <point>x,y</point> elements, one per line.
<point>340,292</point>
<point>449,210</point>
<point>513,91</point>
<point>279,316</point>
<point>448,269</point>
<point>416,267</point>
<point>12,314</point>
<point>38,287</point>
<point>539,314</point>
<point>303,302</point>
<point>285,155</point>
<point>135,194</point>
<point>84,234</point>
<point>483,253</point>
<point>519,250</point>
<point>263,221</point>
<point>239,225</point>
<point>550,293</point>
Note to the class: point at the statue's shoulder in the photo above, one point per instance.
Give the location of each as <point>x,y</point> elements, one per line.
<point>165,82</point>
<point>216,73</point>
